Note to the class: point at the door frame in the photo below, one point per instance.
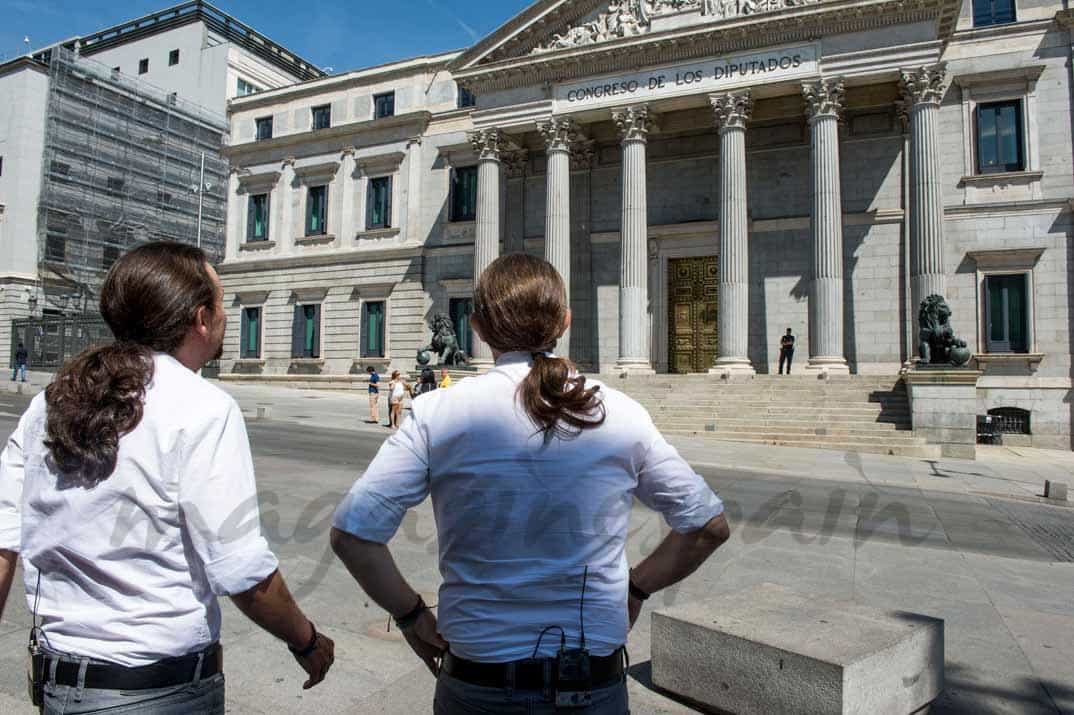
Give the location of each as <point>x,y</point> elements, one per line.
<point>698,241</point>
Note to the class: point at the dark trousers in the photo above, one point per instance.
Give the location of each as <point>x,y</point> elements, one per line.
<point>785,357</point>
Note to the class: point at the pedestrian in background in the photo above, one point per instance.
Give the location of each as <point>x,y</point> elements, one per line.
<point>397,390</point>
<point>128,490</point>
<point>20,362</point>
<point>374,395</point>
<point>427,383</point>
<point>533,471</point>
<point>445,378</point>
<point>786,351</point>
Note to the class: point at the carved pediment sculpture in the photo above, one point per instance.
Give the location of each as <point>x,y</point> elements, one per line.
<point>627,18</point>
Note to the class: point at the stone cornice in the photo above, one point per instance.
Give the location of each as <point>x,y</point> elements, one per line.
<point>325,259</point>
<point>485,71</point>
<point>344,132</point>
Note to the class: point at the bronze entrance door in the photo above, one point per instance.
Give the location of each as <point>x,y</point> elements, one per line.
<point>693,290</point>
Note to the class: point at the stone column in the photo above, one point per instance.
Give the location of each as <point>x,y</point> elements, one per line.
<point>824,102</point>
<point>922,90</point>
<point>558,135</point>
<point>732,111</point>
<point>634,124</point>
<point>348,198</point>
<point>486,143</point>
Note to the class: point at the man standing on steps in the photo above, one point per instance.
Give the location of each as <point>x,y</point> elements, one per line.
<point>786,351</point>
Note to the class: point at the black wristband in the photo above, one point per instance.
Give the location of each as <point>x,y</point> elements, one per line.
<point>310,647</point>
<point>411,617</point>
<point>637,592</point>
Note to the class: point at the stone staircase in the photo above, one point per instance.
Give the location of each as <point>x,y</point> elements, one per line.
<point>859,413</point>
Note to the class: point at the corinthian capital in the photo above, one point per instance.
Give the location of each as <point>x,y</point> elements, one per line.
<point>924,85</point>
<point>487,143</point>
<point>634,123</point>
<point>559,133</point>
<point>732,109</point>
<point>823,98</point>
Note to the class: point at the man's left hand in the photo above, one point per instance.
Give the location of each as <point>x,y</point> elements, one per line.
<point>424,639</point>
<point>634,609</point>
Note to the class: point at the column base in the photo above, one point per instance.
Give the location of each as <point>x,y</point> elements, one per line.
<point>626,367</point>
<point>733,367</point>
<point>827,365</point>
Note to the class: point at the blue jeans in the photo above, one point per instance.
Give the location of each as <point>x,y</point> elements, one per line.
<point>17,370</point>
<point>204,697</point>
<point>454,697</point>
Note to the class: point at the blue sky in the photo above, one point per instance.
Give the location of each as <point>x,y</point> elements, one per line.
<point>333,33</point>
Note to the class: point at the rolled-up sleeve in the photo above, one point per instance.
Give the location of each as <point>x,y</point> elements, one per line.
<point>667,484</point>
<point>396,480</point>
<point>218,497</point>
<point>12,475</point>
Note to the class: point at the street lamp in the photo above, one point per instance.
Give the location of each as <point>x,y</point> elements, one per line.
<point>200,188</point>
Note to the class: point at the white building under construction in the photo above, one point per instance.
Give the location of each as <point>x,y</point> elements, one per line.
<point>112,139</point>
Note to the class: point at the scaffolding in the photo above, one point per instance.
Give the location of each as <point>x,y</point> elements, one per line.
<point>124,163</point>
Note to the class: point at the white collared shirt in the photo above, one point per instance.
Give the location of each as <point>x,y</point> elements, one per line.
<point>131,568</point>
<point>518,519</point>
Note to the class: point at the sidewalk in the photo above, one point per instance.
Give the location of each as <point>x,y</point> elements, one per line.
<point>998,471</point>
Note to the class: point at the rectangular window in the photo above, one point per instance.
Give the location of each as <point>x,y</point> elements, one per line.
<point>372,329</point>
<point>384,105</point>
<point>173,58</point>
<point>164,198</point>
<point>306,332</point>
<point>55,247</point>
<point>379,203</point>
<point>250,334</point>
<point>322,117</point>
<point>264,128</point>
<point>59,170</point>
<point>1007,313</point>
<point>1,166</point>
<point>992,12</point>
<point>143,65</point>
<point>317,211</point>
<point>109,255</point>
<point>115,185</point>
<point>459,309</point>
<point>999,137</point>
<point>257,218</point>
<point>244,88</point>
<point>464,193</point>
<point>466,98</point>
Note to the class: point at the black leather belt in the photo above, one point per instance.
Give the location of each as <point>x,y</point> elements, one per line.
<point>162,674</point>
<point>530,674</point>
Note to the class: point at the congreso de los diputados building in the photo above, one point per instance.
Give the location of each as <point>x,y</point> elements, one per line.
<point>705,174</point>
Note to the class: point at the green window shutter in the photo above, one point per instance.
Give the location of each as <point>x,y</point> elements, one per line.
<point>298,330</point>
<point>373,329</point>
<point>244,333</point>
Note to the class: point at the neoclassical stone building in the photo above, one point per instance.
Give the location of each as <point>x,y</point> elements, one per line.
<point>704,174</point>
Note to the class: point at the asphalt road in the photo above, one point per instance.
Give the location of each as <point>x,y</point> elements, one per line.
<point>994,569</point>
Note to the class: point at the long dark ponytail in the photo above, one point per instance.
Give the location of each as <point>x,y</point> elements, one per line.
<point>149,300</point>
<point>520,305</point>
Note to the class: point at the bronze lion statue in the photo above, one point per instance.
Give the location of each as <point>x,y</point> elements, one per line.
<point>938,343</point>
<point>445,343</point>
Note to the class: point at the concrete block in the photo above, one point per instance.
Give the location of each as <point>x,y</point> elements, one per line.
<point>770,650</point>
<point>1055,490</point>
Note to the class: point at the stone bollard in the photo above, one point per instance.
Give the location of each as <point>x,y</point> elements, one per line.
<point>769,650</point>
<point>1055,490</point>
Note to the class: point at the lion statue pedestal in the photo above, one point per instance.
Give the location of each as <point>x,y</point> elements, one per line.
<point>943,391</point>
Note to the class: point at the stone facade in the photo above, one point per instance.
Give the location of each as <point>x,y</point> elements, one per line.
<point>835,181</point>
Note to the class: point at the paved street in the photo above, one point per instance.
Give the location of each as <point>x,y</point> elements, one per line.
<point>964,541</point>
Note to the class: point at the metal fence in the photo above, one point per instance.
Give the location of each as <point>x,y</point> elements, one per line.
<point>51,342</point>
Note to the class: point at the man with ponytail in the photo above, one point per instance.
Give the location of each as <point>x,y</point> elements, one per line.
<point>533,471</point>
<point>128,491</point>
